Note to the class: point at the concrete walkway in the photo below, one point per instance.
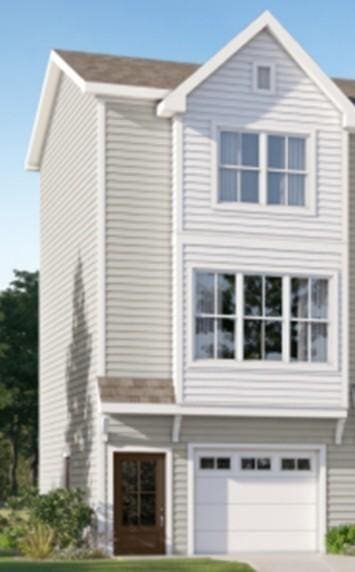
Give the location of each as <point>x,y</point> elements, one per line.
<point>296,562</point>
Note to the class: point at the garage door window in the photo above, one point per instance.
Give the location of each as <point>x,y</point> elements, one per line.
<point>292,464</point>
<point>215,463</point>
<point>255,464</point>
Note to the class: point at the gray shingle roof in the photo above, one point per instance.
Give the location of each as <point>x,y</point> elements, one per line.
<point>146,72</point>
<point>128,71</point>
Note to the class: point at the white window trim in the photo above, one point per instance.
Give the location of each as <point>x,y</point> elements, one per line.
<point>321,487</point>
<point>263,129</point>
<point>268,64</point>
<point>285,363</point>
<point>167,451</point>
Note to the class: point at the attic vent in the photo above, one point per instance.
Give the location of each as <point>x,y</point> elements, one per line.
<point>264,77</point>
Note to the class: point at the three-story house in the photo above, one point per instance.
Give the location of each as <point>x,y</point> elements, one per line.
<point>196,301</point>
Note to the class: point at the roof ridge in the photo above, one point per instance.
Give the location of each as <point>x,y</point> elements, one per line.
<point>61,51</point>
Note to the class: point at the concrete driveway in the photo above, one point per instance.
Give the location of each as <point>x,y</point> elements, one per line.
<point>296,562</point>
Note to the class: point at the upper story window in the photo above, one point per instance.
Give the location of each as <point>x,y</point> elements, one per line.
<point>261,317</point>
<point>239,167</point>
<point>262,168</point>
<point>286,178</point>
<point>264,77</point>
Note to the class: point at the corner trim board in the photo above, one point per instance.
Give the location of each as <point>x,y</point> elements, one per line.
<point>339,431</point>
<point>101,226</point>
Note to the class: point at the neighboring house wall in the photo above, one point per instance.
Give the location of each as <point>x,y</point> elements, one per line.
<point>126,431</point>
<point>258,238</point>
<point>68,292</point>
<point>138,242</point>
<point>351,247</point>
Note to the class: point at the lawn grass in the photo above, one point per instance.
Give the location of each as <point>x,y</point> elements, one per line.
<point>169,565</point>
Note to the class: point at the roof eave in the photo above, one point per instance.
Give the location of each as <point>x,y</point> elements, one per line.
<point>57,66</point>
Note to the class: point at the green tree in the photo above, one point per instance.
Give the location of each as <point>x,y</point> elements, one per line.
<point>19,370</point>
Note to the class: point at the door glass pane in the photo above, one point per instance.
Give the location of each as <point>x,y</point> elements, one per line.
<point>273,340</point>
<point>250,149</point>
<point>148,511</point>
<point>228,185</point>
<point>320,299</point>
<point>226,343</point>
<point>252,339</point>
<point>296,185</point>
<point>223,463</point>
<point>299,297</point>
<point>319,342</point>
<point>273,296</point>
<point>204,292</point>
<point>296,153</point>
<point>204,338</point>
<point>129,476</point>
<point>229,148</point>
<point>207,463</point>
<point>147,473</point>
<point>226,294</point>
<point>276,151</point>
<point>130,510</point>
<point>276,191</point>
<point>299,341</point>
<point>253,295</point>
<point>250,187</point>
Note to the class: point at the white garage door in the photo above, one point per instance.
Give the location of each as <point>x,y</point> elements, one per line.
<point>255,501</point>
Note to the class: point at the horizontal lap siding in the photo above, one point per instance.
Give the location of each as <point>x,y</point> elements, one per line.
<point>156,432</point>
<point>352,257</point>
<point>226,98</point>
<point>68,291</point>
<point>138,241</point>
<point>248,385</point>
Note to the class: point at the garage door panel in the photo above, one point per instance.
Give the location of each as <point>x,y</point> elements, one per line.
<point>276,541</point>
<point>239,510</point>
<point>278,490</point>
<point>220,487</point>
<point>239,517</point>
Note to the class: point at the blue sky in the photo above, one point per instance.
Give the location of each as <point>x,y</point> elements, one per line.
<point>190,30</point>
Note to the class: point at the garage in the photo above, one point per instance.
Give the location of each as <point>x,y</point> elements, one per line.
<point>256,500</point>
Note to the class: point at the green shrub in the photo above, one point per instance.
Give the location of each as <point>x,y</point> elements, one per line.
<point>340,539</point>
<point>66,512</point>
<point>38,542</point>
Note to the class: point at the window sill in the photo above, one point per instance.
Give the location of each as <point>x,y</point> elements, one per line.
<point>256,365</point>
<point>263,209</point>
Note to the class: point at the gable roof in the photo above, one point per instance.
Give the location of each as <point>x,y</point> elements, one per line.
<point>166,81</point>
<point>127,70</point>
<point>175,101</point>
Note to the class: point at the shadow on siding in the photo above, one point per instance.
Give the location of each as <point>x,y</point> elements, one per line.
<point>79,433</point>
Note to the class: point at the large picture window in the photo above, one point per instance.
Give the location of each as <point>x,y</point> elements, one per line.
<point>260,317</point>
<point>262,168</point>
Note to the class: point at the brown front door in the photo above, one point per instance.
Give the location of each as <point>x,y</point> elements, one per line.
<point>139,507</point>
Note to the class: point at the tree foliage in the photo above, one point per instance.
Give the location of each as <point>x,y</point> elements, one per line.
<point>19,370</point>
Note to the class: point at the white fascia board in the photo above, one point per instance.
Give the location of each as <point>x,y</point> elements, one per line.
<point>56,66</point>
<point>176,100</point>
<point>220,411</point>
<point>43,113</point>
<point>120,90</point>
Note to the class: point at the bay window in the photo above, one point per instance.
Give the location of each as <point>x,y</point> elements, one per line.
<point>248,317</point>
<point>262,168</point>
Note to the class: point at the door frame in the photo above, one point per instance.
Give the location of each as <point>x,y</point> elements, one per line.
<point>168,496</point>
<point>321,451</point>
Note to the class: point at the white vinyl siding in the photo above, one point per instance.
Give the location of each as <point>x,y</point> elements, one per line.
<point>263,383</point>
<point>226,100</point>
<point>155,431</point>
<point>68,293</point>
<point>138,241</point>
